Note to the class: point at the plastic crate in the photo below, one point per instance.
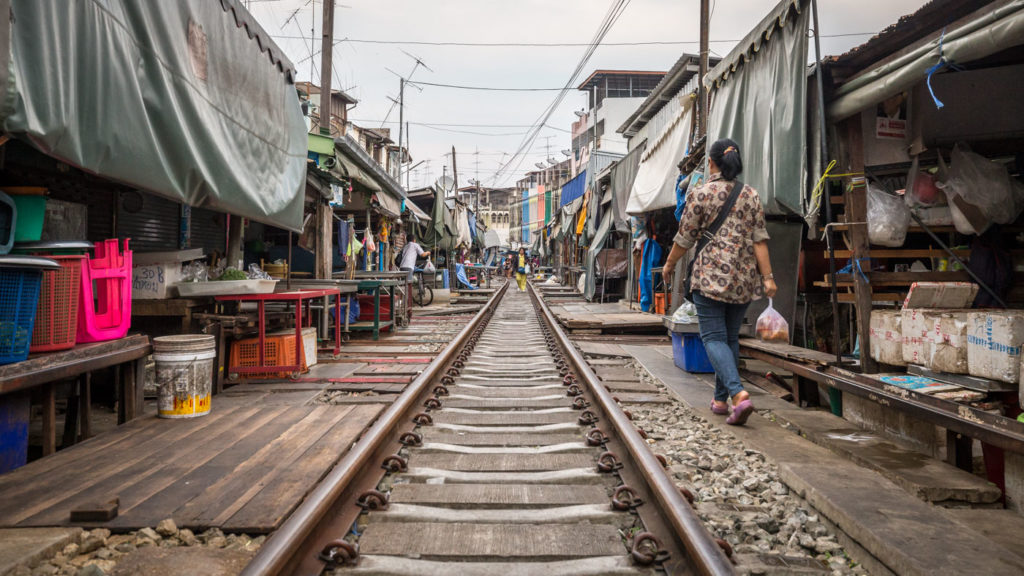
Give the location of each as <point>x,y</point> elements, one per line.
<point>366,307</point>
<point>689,354</point>
<point>19,297</point>
<point>105,299</point>
<point>278,350</point>
<point>57,313</point>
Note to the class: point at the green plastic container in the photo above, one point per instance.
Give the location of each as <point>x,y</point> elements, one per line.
<point>31,210</point>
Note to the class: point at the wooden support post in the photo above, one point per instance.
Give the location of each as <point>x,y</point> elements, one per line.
<point>71,416</point>
<point>856,214</point>
<point>49,418</point>
<point>85,405</point>
<point>235,232</point>
<point>324,232</point>
<point>959,451</point>
<point>220,366</point>
<point>138,405</point>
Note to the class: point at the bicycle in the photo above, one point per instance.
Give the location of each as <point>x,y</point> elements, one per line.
<point>422,294</point>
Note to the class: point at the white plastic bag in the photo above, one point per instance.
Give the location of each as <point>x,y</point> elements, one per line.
<point>983,184</point>
<point>527,268</point>
<point>888,218</point>
<point>429,267</point>
<point>771,326</point>
<point>685,314</point>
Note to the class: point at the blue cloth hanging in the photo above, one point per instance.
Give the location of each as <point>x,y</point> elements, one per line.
<point>651,259</point>
<point>460,273</point>
<point>342,237</point>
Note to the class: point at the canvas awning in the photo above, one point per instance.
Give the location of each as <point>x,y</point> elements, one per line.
<point>388,204</point>
<point>190,100</point>
<point>759,99</point>
<point>348,168</point>
<point>991,32</point>
<point>623,175</point>
<point>596,245</point>
<point>574,188</point>
<point>416,211</point>
<point>654,186</point>
<point>493,239</point>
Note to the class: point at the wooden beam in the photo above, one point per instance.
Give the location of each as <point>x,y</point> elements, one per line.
<point>889,253</point>
<point>857,211</point>
<point>49,418</point>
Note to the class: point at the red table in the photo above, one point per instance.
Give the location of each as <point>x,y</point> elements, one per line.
<point>298,297</point>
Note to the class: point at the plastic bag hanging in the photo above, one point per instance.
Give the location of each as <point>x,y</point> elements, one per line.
<point>771,326</point>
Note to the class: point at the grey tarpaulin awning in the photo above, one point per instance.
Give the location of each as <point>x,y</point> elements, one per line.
<point>388,204</point>
<point>350,169</point>
<point>493,239</point>
<point>759,98</point>
<point>991,32</point>
<point>623,175</point>
<point>347,147</point>
<point>596,245</point>
<point>190,100</point>
<point>416,211</point>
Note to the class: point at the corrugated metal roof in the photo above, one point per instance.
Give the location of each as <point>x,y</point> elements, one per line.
<point>674,80</point>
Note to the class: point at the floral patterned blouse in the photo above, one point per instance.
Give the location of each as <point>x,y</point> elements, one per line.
<point>726,269</point>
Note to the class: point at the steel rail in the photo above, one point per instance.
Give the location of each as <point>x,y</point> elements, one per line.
<point>705,554</point>
<point>277,554</point>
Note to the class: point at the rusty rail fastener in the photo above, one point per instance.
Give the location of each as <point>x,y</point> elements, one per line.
<point>573,390</point>
<point>595,437</point>
<point>625,498</point>
<point>422,419</point>
<point>395,463</point>
<point>587,417</point>
<point>608,462</point>
<point>373,500</point>
<point>440,390</point>
<point>646,549</point>
<point>411,439</point>
<point>432,403</point>
<point>580,403</point>
<point>340,553</point>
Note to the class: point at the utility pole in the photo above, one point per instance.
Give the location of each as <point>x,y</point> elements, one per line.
<point>326,51</point>
<point>702,91</point>
<point>324,212</point>
<point>401,125</point>
<point>455,173</point>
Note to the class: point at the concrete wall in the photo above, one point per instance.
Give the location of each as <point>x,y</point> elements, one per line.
<point>919,435</point>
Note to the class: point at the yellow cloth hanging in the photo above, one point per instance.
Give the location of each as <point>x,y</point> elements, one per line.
<point>582,221</point>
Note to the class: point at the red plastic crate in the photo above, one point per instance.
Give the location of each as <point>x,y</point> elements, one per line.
<point>366,307</point>
<point>57,312</point>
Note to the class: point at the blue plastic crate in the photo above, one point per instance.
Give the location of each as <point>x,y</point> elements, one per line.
<point>19,295</point>
<point>689,354</point>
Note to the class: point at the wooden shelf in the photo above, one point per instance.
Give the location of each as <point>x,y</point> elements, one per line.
<point>898,278</point>
<point>851,298</point>
<point>887,253</point>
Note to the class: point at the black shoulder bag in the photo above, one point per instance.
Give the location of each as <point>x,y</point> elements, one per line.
<point>709,234</point>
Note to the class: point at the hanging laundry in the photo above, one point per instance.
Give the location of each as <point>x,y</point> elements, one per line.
<point>343,237</point>
<point>651,258</point>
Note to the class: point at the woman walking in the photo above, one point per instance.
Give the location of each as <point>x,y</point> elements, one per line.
<point>521,264</point>
<point>730,269</point>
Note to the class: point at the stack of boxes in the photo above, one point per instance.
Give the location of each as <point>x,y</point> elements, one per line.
<point>935,329</point>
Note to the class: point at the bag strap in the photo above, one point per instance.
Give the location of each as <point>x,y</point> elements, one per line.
<point>712,230</point>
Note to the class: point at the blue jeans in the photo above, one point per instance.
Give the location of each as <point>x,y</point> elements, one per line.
<point>720,331</point>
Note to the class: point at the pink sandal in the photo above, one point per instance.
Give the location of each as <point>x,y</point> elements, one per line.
<point>740,413</point>
<point>719,410</point>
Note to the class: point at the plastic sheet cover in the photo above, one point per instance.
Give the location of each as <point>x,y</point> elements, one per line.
<point>623,175</point>
<point>574,188</point>
<point>654,186</point>
<point>759,99</point>
<point>596,245</point>
<point>992,32</point>
<point>189,100</point>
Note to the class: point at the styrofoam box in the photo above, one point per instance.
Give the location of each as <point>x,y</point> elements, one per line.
<point>887,337</point>
<point>994,340</point>
<point>947,342</point>
<point>913,330</point>
<point>153,273</point>
<point>947,295</point>
<point>935,339</point>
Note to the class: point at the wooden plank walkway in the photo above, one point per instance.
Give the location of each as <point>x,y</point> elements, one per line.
<point>242,468</point>
<point>605,317</point>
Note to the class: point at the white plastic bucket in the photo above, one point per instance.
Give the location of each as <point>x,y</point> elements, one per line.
<point>184,374</point>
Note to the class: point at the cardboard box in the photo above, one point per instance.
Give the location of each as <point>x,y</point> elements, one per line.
<point>153,273</point>
<point>994,341</point>
<point>887,337</point>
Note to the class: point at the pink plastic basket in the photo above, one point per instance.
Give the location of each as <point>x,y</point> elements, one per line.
<point>105,300</point>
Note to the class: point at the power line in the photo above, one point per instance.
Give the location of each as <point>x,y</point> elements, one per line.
<point>547,44</point>
<point>489,88</point>
<point>436,124</point>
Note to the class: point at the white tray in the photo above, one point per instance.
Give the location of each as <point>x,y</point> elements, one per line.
<point>224,287</point>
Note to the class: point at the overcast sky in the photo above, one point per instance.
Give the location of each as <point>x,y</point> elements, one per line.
<point>499,119</point>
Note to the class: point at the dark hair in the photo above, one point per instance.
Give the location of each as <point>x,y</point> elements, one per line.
<point>410,237</point>
<point>725,153</point>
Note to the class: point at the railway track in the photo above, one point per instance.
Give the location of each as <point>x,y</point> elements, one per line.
<point>505,456</point>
